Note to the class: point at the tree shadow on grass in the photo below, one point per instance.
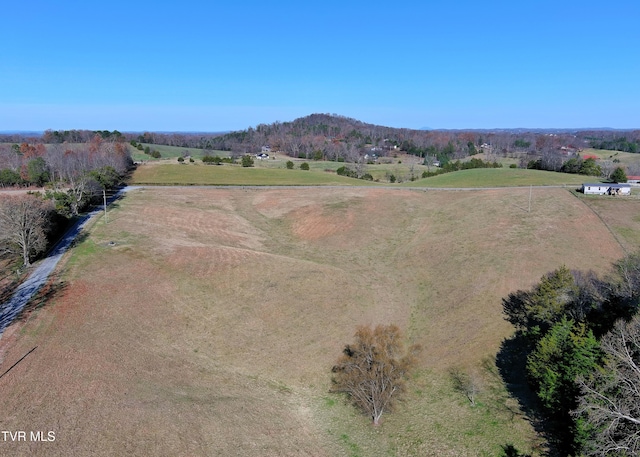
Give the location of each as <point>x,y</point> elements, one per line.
<point>10,278</point>
<point>79,239</point>
<point>511,361</point>
<point>111,205</point>
<point>21,298</point>
<point>51,289</point>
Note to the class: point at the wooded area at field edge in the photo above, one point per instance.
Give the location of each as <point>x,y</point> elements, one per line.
<point>74,176</point>
<point>578,343</point>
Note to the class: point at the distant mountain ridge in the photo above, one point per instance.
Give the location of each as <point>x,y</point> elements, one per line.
<point>336,119</point>
<point>22,132</point>
<point>334,137</point>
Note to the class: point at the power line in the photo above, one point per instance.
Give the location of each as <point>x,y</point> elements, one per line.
<point>21,358</point>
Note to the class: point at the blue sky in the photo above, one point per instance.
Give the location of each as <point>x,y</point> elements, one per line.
<point>214,66</point>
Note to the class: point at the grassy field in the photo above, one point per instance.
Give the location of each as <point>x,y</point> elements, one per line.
<point>206,321</point>
<point>623,158</point>
<point>403,167</point>
<point>235,175</point>
<point>621,216</point>
<point>269,173</point>
<point>502,177</point>
<point>169,152</point>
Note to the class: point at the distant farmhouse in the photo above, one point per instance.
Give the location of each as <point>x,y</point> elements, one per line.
<point>633,179</point>
<point>606,189</point>
<point>264,153</point>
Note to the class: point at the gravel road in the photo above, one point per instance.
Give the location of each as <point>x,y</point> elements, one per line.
<point>38,277</point>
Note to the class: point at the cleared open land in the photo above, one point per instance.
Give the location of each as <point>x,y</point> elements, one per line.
<point>502,177</point>
<point>621,158</point>
<point>171,152</point>
<point>235,175</point>
<point>206,321</point>
<point>621,216</point>
<point>198,174</point>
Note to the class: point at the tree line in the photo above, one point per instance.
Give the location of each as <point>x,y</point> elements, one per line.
<point>339,138</point>
<point>332,136</point>
<point>579,339</point>
<point>72,172</point>
<point>74,175</point>
<point>617,144</point>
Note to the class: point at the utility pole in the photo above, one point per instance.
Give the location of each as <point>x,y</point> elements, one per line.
<point>104,198</point>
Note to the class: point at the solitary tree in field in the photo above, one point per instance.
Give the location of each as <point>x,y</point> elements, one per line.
<point>373,370</point>
<point>247,161</point>
<point>24,220</point>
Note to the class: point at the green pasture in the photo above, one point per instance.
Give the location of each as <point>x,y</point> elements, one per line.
<point>504,161</point>
<point>403,169</point>
<point>235,175</point>
<point>502,177</point>
<point>268,173</point>
<point>618,157</point>
<point>169,152</point>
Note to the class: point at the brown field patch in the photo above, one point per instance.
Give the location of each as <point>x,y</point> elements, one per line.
<point>211,326</point>
<point>311,223</point>
<point>621,215</point>
<point>204,261</point>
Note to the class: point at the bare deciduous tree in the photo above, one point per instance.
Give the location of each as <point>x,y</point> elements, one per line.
<point>466,382</point>
<point>611,399</point>
<point>24,220</point>
<point>628,271</point>
<point>75,175</point>
<point>373,370</point>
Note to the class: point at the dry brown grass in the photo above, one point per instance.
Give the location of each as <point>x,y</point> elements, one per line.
<point>621,215</point>
<point>211,326</point>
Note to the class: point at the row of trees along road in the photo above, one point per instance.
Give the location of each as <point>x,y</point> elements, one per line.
<point>580,337</point>
<point>73,172</point>
<point>74,175</point>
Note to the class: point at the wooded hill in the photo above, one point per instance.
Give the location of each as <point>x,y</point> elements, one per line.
<point>334,137</point>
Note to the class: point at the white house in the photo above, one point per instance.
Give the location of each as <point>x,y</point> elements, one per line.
<point>595,189</point>
<point>606,189</point>
<point>620,189</point>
